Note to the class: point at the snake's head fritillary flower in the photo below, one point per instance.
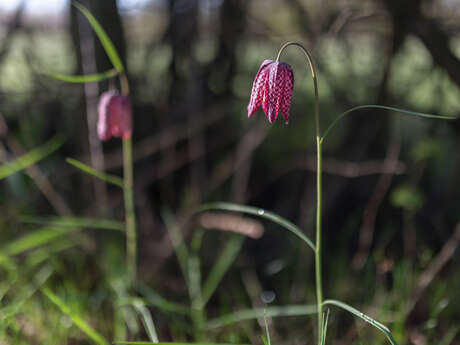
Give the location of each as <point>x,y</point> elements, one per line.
<point>272,88</point>
<point>114,116</point>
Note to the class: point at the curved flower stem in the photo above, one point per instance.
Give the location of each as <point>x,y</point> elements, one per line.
<point>318,275</point>
<point>128,196</point>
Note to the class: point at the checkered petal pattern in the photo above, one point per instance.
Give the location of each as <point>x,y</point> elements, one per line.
<point>288,80</point>
<point>114,116</point>
<point>259,89</point>
<point>272,88</point>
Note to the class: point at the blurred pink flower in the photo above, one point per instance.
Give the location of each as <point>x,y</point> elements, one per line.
<point>272,88</point>
<point>114,116</point>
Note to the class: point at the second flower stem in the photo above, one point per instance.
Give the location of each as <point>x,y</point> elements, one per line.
<point>130,217</point>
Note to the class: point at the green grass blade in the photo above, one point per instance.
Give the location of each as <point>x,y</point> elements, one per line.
<point>115,180</point>
<point>398,110</point>
<point>226,258</point>
<point>75,222</point>
<point>175,235</point>
<point>77,320</point>
<point>286,224</point>
<point>147,320</point>
<point>25,290</point>
<point>88,78</point>
<point>42,254</point>
<point>147,343</point>
<point>103,37</point>
<point>324,327</point>
<point>160,302</point>
<point>364,317</point>
<point>250,314</point>
<point>31,157</point>
<point>267,331</point>
<point>35,239</point>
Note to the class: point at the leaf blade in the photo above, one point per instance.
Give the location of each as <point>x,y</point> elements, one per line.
<point>88,78</point>
<point>32,240</point>
<point>398,110</point>
<point>225,259</point>
<point>77,320</point>
<point>106,42</point>
<point>286,224</point>
<point>364,317</point>
<point>154,299</point>
<point>249,314</point>
<point>31,157</point>
<point>109,178</point>
<point>77,222</point>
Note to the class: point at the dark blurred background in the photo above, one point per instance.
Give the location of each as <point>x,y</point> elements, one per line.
<point>391,189</point>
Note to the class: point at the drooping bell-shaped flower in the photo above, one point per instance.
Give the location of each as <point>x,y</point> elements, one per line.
<point>114,116</point>
<point>272,88</point>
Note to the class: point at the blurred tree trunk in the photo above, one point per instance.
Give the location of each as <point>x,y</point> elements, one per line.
<point>233,24</point>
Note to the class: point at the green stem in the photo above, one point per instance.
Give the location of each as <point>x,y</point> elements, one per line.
<point>319,288</point>
<point>130,217</point>
<point>319,285</point>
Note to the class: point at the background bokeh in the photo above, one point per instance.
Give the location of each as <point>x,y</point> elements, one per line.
<point>391,193</point>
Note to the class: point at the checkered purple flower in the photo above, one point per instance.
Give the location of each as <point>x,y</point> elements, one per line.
<point>114,116</point>
<point>272,88</point>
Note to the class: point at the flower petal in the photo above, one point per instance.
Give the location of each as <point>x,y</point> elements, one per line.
<point>275,91</point>
<point>114,116</point>
<point>103,128</point>
<point>288,78</point>
<point>259,88</point>
<point>120,120</point>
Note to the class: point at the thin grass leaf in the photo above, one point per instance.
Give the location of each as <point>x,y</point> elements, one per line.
<point>250,314</point>
<point>225,260</point>
<point>31,157</point>
<point>42,254</point>
<point>77,320</point>
<point>147,343</point>
<point>364,317</point>
<point>160,302</point>
<point>115,180</point>
<point>103,37</point>
<point>398,110</point>
<point>324,327</point>
<point>88,78</point>
<point>119,324</point>
<point>25,290</point>
<point>286,224</point>
<point>177,241</point>
<point>34,239</point>
<point>75,222</point>
<point>147,320</point>
<point>264,339</point>
<point>194,283</point>
<point>267,331</point>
